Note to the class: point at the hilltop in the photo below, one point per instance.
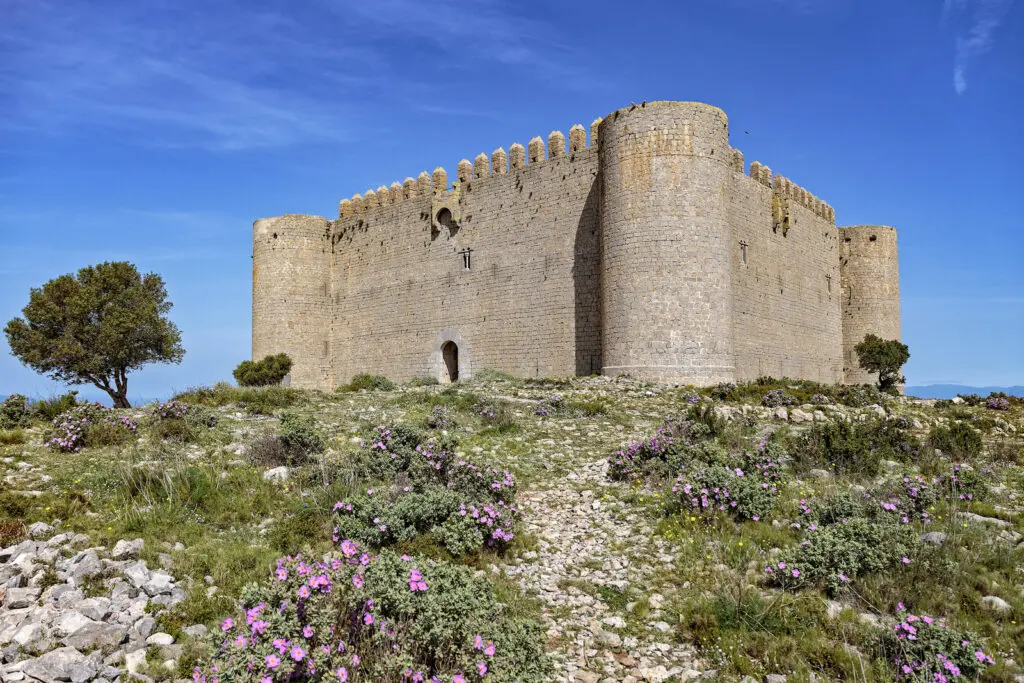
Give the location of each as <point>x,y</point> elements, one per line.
<point>587,529</point>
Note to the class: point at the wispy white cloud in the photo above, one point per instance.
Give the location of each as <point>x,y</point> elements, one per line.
<point>982,18</point>
<point>233,75</point>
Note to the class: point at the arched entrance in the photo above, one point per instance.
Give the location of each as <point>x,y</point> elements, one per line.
<point>450,355</point>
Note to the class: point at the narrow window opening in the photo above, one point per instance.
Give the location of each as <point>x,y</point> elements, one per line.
<point>467,258</point>
<point>828,283</point>
<point>450,354</point>
<point>447,221</point>
<point>743,252</point>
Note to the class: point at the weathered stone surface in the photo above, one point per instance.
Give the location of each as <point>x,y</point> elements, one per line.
<point>276,474</point>
<point>994,603</point>
<point>62,664</point>
<point>97,635</point>
<point>40,530</point>
<point>124,550</point>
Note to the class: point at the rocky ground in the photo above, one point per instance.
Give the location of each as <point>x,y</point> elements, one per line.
<point>88,592</point>
<point>76,613</point>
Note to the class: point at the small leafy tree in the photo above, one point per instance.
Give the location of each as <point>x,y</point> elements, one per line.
<point>884,356</point>
<point>96,327</point>
<point>261,373</point>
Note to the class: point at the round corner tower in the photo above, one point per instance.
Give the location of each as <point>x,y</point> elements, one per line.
<point>290,285</point>
<point>869,271</point>
<point>666,283</point>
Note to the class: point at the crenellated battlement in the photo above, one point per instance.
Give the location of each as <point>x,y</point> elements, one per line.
<point>784,188</point>
<point>497,164</point>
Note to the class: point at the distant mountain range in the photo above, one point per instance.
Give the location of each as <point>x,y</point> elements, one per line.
<point>951,390</point>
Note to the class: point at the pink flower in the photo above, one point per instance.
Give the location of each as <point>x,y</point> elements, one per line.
<point>481,668</point>
<point>458,678</point>
<point>478,643</point>
<point>304,591</point>
<point>272,661</point>
<point>980,656</point>
<point>357,580</point>
<point>227,624</point>
<point>796,572</point>
<point>298,653</point>
<point>307,632</point>
<point>489,650</point>
<point>906,560</point>
<point>367,619</point>
<point>342,674</point>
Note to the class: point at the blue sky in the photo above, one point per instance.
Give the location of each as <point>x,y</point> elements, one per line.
<point>158,131</point>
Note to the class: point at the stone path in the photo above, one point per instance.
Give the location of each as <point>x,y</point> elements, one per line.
<point>591,551</point>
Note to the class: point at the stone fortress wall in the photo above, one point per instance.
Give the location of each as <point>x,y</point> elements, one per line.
<point>647,250</point>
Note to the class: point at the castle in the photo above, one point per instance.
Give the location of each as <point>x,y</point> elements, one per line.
<point>648,252</point>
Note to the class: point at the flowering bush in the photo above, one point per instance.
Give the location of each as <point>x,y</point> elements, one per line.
<point>549,405</point>
<point>362,617</point>
<point>424,488</point>
<point>820,400</point>
<point>440,418</point>
<point>744,495</point>
<point>14,412</point>
<point>171,410</point>
<point>997,403</point>
<point>90,424</point>
<point>656,455</point>
<point>834,555</point>
<point>777,397</point>
<point>921,648</point>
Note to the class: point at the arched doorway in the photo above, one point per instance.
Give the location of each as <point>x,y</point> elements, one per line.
<point>450,354</point>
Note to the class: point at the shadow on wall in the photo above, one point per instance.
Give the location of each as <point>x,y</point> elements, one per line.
<point>586,273</point>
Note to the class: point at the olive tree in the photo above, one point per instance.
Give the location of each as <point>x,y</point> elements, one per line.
<point>884,356</point>
<point>96,326</point>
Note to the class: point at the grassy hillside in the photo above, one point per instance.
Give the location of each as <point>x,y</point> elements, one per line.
<point>627,531</point>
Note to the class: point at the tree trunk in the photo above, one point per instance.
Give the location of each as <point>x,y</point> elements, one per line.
<point>120,398</point>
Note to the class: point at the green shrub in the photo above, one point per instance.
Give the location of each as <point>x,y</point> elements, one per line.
<point>14,412</point>
<point>589,408</point>
<point>266,450</point>
<point>394,615</point>
<point>300,438</point>
<point>423,381</point>
<point>958,440</point>
<point>838,507</point>
<point>48,409</point>
<point>840,446</point>
<point>833,556</point>
<point>256,400</point>
<point>179,421</point>
<point>269,371</point>
<point>12,437</point>
<point>369,383</point>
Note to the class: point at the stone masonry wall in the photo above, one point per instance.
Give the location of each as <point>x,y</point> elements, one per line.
<point>871,291</point>
<point>666,281</point>
<point>290,281</point>
<point>786,296</point>
<point>649,252</point>
<point>528,304</point>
